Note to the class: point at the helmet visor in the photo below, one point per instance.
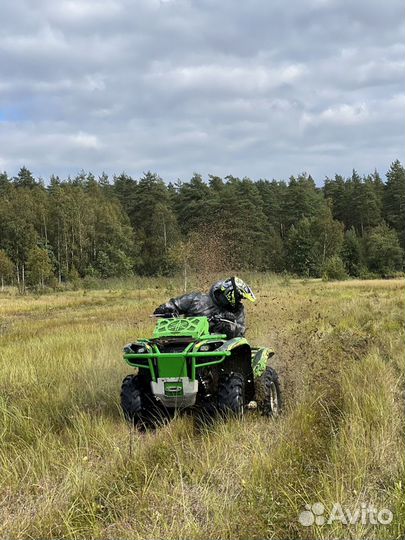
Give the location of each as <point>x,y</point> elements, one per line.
<point>249,295</point>
<point>244,291</point>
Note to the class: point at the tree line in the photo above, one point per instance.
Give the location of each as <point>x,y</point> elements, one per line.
<point>96,227</point>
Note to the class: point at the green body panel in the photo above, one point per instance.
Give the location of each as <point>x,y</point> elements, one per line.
<point>172,367</point>
<point>193,327</point>
<point>233,343</point>
<point>260,358</point>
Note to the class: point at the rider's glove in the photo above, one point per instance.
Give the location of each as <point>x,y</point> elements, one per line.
<point>223,325</point>
<point>229,316</point>
<point>166,311</point>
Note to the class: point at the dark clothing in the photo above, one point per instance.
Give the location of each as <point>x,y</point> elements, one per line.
<point>212,305</point>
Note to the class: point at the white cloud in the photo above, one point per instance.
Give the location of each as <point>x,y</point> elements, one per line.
<point>77,10</point>
<point>42,41</point>
<point>236,78</point>
<point>85,140</point>
<point>344,114</point>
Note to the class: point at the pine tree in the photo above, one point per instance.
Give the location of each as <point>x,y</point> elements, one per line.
<point>384,254</point>
<point>243,225</point>
<point>5,184</point>
<point>352,253</point>
<point>154,222</point>
<point>394,200</point>
<point>337,193</point>
<point>302,199</point>
<point>273,195</point>
<point>196,204</point>
<point>25,179</point>
<point>300,256</point>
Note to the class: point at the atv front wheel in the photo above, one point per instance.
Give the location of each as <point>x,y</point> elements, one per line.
<point>231,393</point>
<point>139,405</point>
<point>268,393</point>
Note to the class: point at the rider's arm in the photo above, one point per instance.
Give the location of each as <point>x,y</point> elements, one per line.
<point>240,322</point>
<point>178,306</point>
<point>231,324</point>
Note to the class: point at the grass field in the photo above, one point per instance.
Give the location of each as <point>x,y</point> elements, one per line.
<point>71,468</point>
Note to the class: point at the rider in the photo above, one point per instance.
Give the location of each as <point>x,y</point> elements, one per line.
<point>223,306</point>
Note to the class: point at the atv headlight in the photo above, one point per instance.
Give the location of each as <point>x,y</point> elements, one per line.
<point>132,348</point>
<point>207,347</point>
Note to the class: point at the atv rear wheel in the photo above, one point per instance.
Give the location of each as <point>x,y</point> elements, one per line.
<point>231,394</point>
<point>139,405</point>
<point>268,393</point>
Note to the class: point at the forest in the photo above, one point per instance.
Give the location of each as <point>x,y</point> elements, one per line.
<point>65,230</point>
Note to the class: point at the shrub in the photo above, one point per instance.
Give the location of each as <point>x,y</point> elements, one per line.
<point>365,273</point>
<point>334,269</point>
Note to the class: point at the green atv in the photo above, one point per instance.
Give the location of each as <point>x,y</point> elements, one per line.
<point>184,366</point>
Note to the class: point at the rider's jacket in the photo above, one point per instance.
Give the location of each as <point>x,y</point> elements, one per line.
<point>212,304</point>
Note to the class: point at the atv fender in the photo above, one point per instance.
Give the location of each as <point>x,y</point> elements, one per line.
<point>240,361</point>
<point>233,343</point>
<point>260,360</point>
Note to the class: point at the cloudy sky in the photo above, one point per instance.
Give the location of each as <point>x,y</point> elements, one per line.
<point>262,88</point>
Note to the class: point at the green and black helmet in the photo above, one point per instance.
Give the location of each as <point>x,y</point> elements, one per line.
<point>235,289</point>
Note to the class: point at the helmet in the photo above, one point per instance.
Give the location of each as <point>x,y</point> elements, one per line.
<point>235,290</point>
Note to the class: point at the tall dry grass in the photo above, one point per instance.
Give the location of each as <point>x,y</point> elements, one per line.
<point>71,468</point>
